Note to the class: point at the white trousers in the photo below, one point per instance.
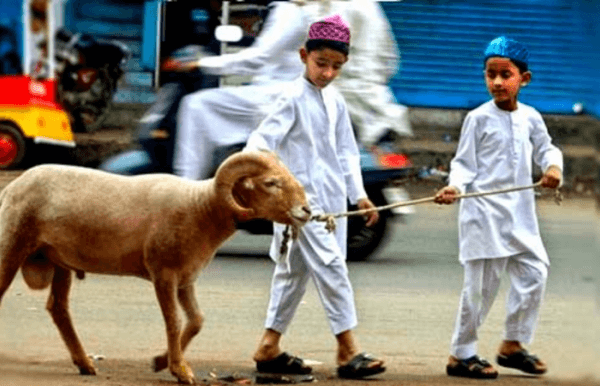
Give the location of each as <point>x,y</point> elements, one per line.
<point>528,276</point>
<point>331,280</point>
<point>214,118</point>
<point>374,110</point>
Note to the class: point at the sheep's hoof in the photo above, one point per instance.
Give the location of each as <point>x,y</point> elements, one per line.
<point>85,366</point>
<point>87,370</point>
<point>183,372</point>
<point>160,363</point>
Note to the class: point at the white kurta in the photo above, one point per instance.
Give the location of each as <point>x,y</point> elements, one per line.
<point>495,151</point>
<point>310,130</point>
<point>273,56</point>
<point>216,118</point>
<point>373,60</point>
<point>222,117</point>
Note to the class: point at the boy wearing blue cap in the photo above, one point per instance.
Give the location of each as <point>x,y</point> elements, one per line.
<point>500,232</point>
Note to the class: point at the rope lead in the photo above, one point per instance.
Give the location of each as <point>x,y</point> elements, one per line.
<point>329,218</point>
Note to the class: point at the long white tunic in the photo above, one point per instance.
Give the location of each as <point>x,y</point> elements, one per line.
<point>214,118</point>
<point>310,130</point>
<point>495,151</point>
<point>273,56</point>
<point>374,58</point>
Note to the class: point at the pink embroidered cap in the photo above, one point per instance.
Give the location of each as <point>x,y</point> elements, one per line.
<point>331,28</point>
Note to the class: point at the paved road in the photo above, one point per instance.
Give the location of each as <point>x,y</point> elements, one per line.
<point>406,297</point>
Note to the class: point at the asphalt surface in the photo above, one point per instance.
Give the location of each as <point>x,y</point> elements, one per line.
<point>406,297</point>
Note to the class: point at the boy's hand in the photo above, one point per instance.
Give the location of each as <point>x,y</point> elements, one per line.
<point>447,195</point>
<point>552,178</point>
<point>371,217</point>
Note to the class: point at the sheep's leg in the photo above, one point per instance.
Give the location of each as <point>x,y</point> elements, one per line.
<point>58,306</point>
<point>187,300</point>
<point>14,249</point>
<point>165,288</point>
<point>8,270</point>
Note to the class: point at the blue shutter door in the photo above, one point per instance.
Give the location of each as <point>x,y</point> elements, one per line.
<point>442,44</point>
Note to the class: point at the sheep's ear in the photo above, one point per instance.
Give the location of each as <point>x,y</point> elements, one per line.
<point>238,195</point>
<point>248,183</point>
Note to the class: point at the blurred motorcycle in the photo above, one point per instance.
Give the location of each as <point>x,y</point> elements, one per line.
<point>88,69</point>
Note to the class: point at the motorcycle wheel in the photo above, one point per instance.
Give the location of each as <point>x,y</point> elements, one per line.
<point>12,147</point>
<point>363,241</point>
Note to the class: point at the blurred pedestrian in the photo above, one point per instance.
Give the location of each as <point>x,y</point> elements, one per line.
<point>500,233</point>
<point>188,33</point>
<point>364,82</point>
<point>310,130</point>
<point>213,119</point>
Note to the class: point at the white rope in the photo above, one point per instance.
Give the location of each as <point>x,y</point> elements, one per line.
<point>330,217</point>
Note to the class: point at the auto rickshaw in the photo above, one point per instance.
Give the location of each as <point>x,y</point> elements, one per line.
<point>29,110</point>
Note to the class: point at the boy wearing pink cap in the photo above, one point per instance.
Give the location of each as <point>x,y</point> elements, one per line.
<point>310,130</point>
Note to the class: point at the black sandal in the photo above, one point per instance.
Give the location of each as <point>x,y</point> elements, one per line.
<point>521,360</point>
<point>283,364</point>
<point>358,367</point>
<point>472,367</point>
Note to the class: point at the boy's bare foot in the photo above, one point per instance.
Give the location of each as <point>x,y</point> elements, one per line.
<point>513,355</point>
<point>265,354</point>
<point>268,347</point>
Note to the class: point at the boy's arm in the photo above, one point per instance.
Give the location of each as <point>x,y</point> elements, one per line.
<point>284,27</point>
<point>273,128</point>
<point>547,156</point>
<point>463,168</point>
<point>349,157</point>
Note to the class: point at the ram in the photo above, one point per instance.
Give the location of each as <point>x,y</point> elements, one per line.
<point>56,220</point>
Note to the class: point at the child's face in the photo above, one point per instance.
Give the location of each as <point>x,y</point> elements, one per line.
<point>322,66</point>
<point>504,81</point>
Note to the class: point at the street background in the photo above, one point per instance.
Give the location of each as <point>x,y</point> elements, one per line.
<point>406,296</point>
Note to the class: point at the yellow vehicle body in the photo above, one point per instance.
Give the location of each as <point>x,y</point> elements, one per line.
<point>40,124</point>
<point>29,113</point>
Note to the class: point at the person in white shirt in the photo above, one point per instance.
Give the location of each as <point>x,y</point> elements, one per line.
<point>217,118</point>
<point>310,131</point>
<point>364,82</point>
<point>498,233</point>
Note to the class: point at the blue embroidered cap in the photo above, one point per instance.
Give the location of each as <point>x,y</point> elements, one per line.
<point>508,48</point>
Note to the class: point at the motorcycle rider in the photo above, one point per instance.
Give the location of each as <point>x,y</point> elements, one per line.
<point>212,119</point>
<point>209,120</point>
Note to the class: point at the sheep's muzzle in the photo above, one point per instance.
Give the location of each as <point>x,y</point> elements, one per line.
<point>300,215</point>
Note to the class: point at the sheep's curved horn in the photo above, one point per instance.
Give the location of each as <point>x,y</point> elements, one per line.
<point>235,167</point>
